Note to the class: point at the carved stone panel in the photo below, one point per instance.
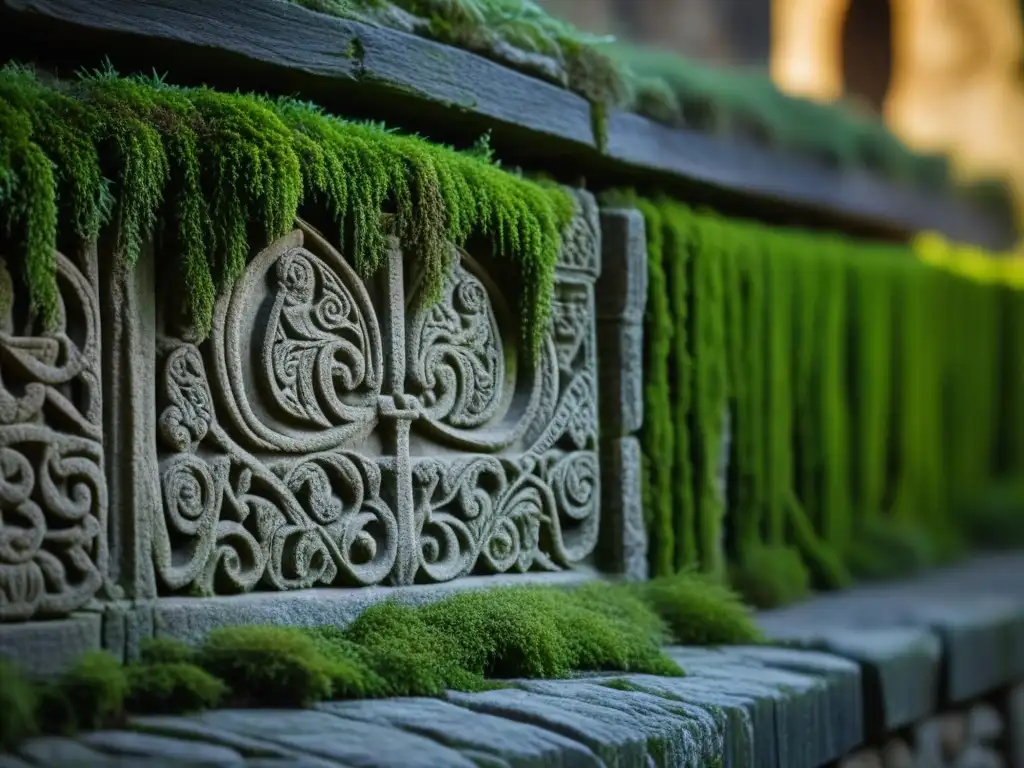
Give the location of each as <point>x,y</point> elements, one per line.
<point>53,500</point>
<point>335,431</point>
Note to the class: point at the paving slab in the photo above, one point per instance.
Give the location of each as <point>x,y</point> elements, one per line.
<point>900,667</point>
<point>799,703</point>
<point>619,739</point>
<point>976,611</point>
<point>679,736</point>
<point>341,741</point>
<point>474,734</point>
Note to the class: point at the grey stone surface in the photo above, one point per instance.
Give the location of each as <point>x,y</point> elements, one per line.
<point>812,725</point>
<point>679,733</point>
<point>355,743</point>
<point>46,647</point>
<point>192,619</point>
<point>145,745</point>
<point>842,721</point>
<point>129,322</point>
<point>253,748</point>
<point>125,626</point>
<point>976,609</point>
<point>617,738</point>
<point>385,451</point>
<point>900,666</point>
<point>622,286</point>
<point>58,751</point>
<point>519,745</point>
<point>623,543</point>
<point>621,376</point>
<point>621,298</point>
<point>54,507</point>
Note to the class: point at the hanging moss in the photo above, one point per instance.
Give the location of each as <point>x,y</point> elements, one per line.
<point>710,385</point>
<point>657,437</point>
<point>225,173</point>
<point>680,236</point>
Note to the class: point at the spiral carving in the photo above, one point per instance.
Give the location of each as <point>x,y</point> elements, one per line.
<point>296,350</point>
<point>53,493</point>
<point>316,348</point>
<point>458,363</point>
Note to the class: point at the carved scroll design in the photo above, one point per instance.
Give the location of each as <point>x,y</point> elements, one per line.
<point>311,377</point>
<point>262,485</point>
<point>466,518</point>
<point>270,431</point>
<point>53,494</point>
<point>231,521</point>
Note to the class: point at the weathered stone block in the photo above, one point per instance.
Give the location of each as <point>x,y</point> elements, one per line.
<point>46,647</point>
<point>621,372</point>
<point>622,287</point>
<point>624,535</point>
<point>53,494</point>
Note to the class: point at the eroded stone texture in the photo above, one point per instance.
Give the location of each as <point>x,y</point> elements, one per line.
<point>341,432</point>
<point>621,301</point>
<point>53,495</point>
<point>624,533</point>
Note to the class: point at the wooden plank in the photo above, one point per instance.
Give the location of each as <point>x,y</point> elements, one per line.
<point>444,89</point>
<point>271,32</point>
<point>797,181</point>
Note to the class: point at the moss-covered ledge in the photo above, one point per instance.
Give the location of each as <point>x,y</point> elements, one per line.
<point>520,676</point>
<point>452,93</point>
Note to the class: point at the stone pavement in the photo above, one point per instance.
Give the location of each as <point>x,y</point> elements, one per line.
<point>877,658</point>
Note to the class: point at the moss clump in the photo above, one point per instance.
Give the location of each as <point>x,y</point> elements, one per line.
<point>89,694</point>
<point>171,688</point>
<point>701,611</point>
<point>224,173</point>
<point>471,641</point>
<point>18,704</point>
<point>771,577</point>
<point>166,650</point>
<point>412,656</point>
<point>276,666</point>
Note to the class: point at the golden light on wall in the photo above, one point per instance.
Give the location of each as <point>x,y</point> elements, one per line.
<point>955,84</point>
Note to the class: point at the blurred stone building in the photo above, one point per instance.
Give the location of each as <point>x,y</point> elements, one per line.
<point>947,75</point>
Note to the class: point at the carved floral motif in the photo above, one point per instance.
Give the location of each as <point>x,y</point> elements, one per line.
<point>53,494</point>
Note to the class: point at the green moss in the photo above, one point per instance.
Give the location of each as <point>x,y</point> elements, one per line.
<point>771,577</point>
<point>90,694</point>
<point>657,438</point>
<point>165,650</point>
<point>18,703</point>
<point>172,688</point>
<point>272,666</point>
<point>411,655</point>
<point>701,611</point>
<point>225,173</point>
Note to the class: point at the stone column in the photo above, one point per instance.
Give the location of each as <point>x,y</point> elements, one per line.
<point>621,301</point>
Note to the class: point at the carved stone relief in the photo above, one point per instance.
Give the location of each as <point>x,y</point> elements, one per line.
<point>339,432</point>
<point>53,493</point>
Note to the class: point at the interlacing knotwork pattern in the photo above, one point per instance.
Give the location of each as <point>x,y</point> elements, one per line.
<point>53,493</point>
<point>296,453</point>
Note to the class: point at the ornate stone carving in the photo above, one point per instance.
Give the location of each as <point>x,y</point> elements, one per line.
<point>295,453</point>
<point>53,495</point>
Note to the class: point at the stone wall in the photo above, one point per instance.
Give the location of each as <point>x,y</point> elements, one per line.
<point>332,433</point>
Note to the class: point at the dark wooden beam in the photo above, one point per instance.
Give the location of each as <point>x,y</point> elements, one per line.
<point>452,95</point>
